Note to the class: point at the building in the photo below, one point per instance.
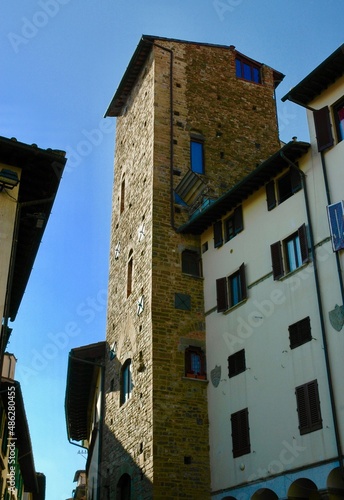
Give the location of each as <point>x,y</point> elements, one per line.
<point>192,120</point>
<point>273,282</point>
<point>84,413</point>
<point>18,478</point>
<point>29,179</point>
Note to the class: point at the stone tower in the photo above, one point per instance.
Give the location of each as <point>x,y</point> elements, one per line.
<point>192,120</point>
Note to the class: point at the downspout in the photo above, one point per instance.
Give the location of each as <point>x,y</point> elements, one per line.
<point>172,221</point>
<point>321,315</point>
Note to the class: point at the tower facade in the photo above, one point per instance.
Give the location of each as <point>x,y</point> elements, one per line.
<point>192,120</point>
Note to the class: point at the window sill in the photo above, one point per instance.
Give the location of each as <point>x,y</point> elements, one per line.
<point>235,307</point>
<point>295,271</point>
<point>195,378</point>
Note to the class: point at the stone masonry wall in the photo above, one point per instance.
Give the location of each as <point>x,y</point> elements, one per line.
<point>160,435</point>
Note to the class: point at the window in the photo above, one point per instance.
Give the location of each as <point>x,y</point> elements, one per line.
<point>231,290</point>
<point>335,213</point>
<point>124,487</point>
<point>236,363</point>
<point>240,433</point>
<point>122,200</point>
<point>308,407</point>
<point>338,110</point>
<point>287,185</point>
<point>234,224</point>
<point>197,156</point>
<point>247,69</point>
<point>194,362</point>
<point>130,273</point>
<point>300,332</point>
<point>218,236</point>
<point>126,382</point>
<point>191,263</point>
<point>295,252</point>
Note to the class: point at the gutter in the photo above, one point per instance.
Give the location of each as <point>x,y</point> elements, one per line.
<point>321,316</point>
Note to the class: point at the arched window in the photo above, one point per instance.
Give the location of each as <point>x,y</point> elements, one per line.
<point>130,273</point>
<point>124,487</point>
<point>126,381</point>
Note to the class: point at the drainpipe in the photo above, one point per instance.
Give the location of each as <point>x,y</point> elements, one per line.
<point>171,133</point>
<point>321,315</point>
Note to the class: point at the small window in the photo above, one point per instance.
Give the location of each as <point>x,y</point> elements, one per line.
<point>300,332</point>
<point>195,362</point>
<point>197,156</point>
<point>288,184</point>
<point>234,224</point>
<point>295,250</point>
<point>338,110</point>
<point>218,235</point>
<point>247,69</point>
<point>124,487</point>
<point>308,407</point>
<point>231,290</point>
<point>126,382</point>
<point>122,200</point>
<point>240,433</point>
<point>130,273</point>
<point>236,363</point>
<point>335,214</point>
<point>191,263</point>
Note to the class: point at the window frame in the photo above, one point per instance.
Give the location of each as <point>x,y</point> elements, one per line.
<point>191,263</point>
<point>241,63</point>
<point>308,407</point>
<point>194,351</point>
<point>240,433</point>
<point>279,255</point>
<point>224,289</point>
<point>194,158</point>
<point>335,109</point>
<point>237,224</point>
<point>126,382</point>
<point>335,214</point>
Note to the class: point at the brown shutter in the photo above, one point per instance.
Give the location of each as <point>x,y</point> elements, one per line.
<point>238,220</point>
<point>240,433</point>
<point>221,294</point>
<point>302,232</point>
<point>277,262</point>
<point>296,182</point>
<point>243,282</point>
<point>218,238</point>
<point>308,407</point>
<point>323,128</point>
<point>270,195</point>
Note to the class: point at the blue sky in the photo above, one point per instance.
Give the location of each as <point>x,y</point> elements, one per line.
<point>61,62</point>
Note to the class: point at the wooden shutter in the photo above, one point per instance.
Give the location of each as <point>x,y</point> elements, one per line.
<point>222,294</point>
<point>308,407</point>
<point>302,233</point>
<point>277,261</point>
<point>270,195</point>
<point>243,282</point>
<point>238,220</point>
<point>323,128</point>
<point>300,332</point>
<point>236,363</point>
<point>218,237</point>
<point>240,433</point>
<point>296,180</point>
